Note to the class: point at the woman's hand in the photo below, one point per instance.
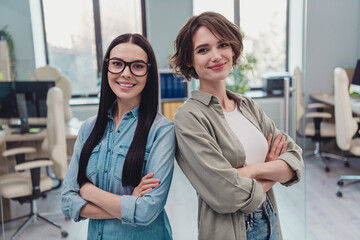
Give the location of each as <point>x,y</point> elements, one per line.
<point>146,184</point>
<point>279,147</point>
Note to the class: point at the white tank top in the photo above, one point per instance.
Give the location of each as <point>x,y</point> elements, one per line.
<point>253,141</point>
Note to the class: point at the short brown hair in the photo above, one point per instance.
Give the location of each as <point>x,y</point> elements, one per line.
<point>182,59</point>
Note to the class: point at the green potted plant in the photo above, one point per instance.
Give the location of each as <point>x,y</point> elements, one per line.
<point>5,35</point>
<point>239,81</point>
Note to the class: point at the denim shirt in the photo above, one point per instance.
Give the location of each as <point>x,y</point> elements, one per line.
<point>142,217</point>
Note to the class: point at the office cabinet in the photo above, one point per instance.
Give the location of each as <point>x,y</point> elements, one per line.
<point>173,92</point>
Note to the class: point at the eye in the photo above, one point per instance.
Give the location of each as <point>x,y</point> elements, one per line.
<point>116,63</point>
<point>224,45</point>
<point>202,50</point>
<point>138,65</point>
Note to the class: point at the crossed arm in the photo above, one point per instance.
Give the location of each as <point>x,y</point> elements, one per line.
<point>273,169</point>
<point>106,205</point>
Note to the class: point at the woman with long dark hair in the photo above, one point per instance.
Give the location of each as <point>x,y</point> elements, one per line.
<point>123,160</point>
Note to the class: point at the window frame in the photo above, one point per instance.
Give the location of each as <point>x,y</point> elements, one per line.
<point>98,36</point>
<point>237,22</point>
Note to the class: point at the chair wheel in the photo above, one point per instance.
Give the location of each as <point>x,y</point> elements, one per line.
<point>346,164</point>
<point>340,183</point>
<point>64,234</point>
<point>339,194</point>
<point>327,169</point>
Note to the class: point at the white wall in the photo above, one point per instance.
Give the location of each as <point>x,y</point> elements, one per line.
<point>16,15</point>
<point>332,40</point>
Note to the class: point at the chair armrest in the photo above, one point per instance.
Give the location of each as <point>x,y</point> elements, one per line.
<point>33,164</point>
<point>318,105</point>
<point>16,151</point>
<point>317,115</point>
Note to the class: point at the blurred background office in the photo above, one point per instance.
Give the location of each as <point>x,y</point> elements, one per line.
<point>63,42</point>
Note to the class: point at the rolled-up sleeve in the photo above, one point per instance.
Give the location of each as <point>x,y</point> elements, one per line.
<point>144,210</point>
<point>211,174</point>
<point>71,202</point>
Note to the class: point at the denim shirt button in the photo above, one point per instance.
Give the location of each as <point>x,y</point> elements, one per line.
<point>118,131</point>
<point>111,130</point>
<point>109,150</point>
<point>99,233</point>
<point>128,114</point>
<point>105,171</point>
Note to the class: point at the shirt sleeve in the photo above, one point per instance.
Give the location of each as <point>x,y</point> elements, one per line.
<point>71,202</point>
<point>210,173</point>
<point>293,154</point>
<point>144,210</point>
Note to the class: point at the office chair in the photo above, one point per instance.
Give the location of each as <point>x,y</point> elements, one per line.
<point>30,184</point>
<point>319,131</point>
<point>346,124</point>
<point>48,73</point>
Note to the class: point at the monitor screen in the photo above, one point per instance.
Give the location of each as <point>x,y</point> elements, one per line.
<point>35,96</point>
<point>356,77</point>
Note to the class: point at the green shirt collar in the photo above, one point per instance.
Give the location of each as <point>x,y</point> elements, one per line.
<point>206,98</point>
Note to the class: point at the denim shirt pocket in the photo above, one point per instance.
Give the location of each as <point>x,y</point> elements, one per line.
<point>120,160</point>
<point>93,163</point>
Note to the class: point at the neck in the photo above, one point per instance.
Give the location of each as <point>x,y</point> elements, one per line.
<point>123,107</point>
<point>218,89</point>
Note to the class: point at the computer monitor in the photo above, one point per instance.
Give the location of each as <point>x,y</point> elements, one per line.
<point>13,94</point>
<point>355,82</point>
<point>356,77</point>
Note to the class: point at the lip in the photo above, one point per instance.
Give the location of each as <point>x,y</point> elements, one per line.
<point>126,85</point>
<point>217,66</point>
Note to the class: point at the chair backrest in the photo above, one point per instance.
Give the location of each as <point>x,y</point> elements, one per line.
<point>47,73</point>
<point>300,104</point>
<point>345,124</point>
<point>55,142</point>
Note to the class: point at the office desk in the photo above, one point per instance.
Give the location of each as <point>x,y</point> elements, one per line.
<point>9,140</point>
<point>328,99</point>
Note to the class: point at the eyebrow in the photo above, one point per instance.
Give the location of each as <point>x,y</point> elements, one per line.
<point>139,60</point>
<point>205,44</point>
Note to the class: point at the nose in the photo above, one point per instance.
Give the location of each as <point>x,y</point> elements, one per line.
<point>126,73</point>
<point>216,56</point>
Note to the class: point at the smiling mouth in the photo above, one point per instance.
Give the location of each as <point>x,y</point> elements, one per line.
<point>217,66</point>
<point>127,85</point>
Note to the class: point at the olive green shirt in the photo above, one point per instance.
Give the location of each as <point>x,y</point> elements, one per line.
<point>208,152</point>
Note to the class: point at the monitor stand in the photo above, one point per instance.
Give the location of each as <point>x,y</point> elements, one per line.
<point>24,121</point>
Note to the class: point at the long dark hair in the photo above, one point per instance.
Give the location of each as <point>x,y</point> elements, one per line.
<point>131,174</point>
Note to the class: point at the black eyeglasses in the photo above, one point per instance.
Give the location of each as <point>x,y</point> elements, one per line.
<point>138,68</point>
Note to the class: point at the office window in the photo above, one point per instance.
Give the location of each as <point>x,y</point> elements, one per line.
<point>224,7</point>
<point>263,24</point>
<point>70,33</point>
<point>118,17</point>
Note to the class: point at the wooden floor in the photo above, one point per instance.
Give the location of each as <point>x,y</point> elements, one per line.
<point>309,210</point>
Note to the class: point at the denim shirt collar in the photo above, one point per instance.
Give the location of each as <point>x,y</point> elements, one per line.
<point>132,113</point>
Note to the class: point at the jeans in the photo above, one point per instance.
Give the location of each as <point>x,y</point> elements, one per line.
<point>262,223</point>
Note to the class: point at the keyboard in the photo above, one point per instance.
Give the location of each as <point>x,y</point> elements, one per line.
<point>32,125</point>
